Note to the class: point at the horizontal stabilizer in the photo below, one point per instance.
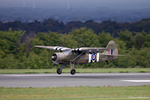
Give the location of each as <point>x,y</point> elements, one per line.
<point>112,55</point>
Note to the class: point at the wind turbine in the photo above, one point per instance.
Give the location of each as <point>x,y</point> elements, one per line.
<point>33,3</point>
<point>68,5</point>
<point>24,4</point>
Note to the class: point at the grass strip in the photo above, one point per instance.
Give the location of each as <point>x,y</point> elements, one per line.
<point>74,93</point>
<point>67,70</point>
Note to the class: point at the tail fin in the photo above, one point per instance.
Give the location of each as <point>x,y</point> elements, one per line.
<point>112,49</point>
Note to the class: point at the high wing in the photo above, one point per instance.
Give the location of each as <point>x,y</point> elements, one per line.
<point>85,49</point>
<point>57,48</point>
<point>89,49</point>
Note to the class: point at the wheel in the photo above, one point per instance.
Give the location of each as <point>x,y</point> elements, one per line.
<point>73,71</point>
<point>59,71</point>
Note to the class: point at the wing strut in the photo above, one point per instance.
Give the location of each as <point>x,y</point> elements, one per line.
<point>77,57</point>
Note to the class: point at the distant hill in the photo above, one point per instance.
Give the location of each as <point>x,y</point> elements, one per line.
<point>112,27</point>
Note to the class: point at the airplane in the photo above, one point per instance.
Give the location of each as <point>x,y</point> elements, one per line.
<point>82,55</point>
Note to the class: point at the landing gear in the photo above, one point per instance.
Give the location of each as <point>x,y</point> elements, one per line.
<point>107,62</point>
<point>73,71</point>
<point>59,71</point>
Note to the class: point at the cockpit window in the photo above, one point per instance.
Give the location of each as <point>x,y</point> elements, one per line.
<point>67,51</point>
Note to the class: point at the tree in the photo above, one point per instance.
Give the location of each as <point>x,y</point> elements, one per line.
<point>68,41</point>
<point>147,41</point>
<point>139,40</point>
<point>126,36</point>
<point>85,37</point>
<point>104,38</point>
<point>10,41</point>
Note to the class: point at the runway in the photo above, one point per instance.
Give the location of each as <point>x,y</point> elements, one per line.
<point>79,79</point>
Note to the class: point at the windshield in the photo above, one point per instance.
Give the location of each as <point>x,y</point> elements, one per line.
<point>67,51</point>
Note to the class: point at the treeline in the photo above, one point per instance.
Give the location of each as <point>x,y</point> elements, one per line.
<point>15,54</point>
<point>111,27</point>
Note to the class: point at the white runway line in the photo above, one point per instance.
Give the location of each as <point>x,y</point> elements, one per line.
<point>136,80</point>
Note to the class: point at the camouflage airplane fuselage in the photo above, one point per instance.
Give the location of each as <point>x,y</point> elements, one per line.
<point>82,57</point>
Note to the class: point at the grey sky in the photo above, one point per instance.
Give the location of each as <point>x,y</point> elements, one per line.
<point>124,4</point>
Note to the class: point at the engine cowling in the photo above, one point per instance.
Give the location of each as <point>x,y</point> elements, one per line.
<point>58,58</point>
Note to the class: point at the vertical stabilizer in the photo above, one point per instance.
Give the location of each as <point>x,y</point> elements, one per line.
<point>112,49</point>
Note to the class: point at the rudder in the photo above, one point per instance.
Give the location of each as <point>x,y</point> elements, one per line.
<point>112,49</point>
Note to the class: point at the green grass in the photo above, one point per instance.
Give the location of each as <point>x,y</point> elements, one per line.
<point>87,70</point>
<point>74,93</point>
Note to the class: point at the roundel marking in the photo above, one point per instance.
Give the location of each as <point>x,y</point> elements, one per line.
<point>93,57</point>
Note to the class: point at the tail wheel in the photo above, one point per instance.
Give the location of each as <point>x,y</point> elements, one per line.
<point>73,71</point>
<point>59,71</point>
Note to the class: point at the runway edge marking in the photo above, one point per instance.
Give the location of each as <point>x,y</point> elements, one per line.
<point>136,80</point>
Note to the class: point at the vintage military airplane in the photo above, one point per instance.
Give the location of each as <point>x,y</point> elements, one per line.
<point>81,55</point>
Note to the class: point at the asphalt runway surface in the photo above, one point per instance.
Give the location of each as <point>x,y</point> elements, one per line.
<point>79,79</point>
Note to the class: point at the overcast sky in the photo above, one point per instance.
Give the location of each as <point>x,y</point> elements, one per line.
<point>127,4</point>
